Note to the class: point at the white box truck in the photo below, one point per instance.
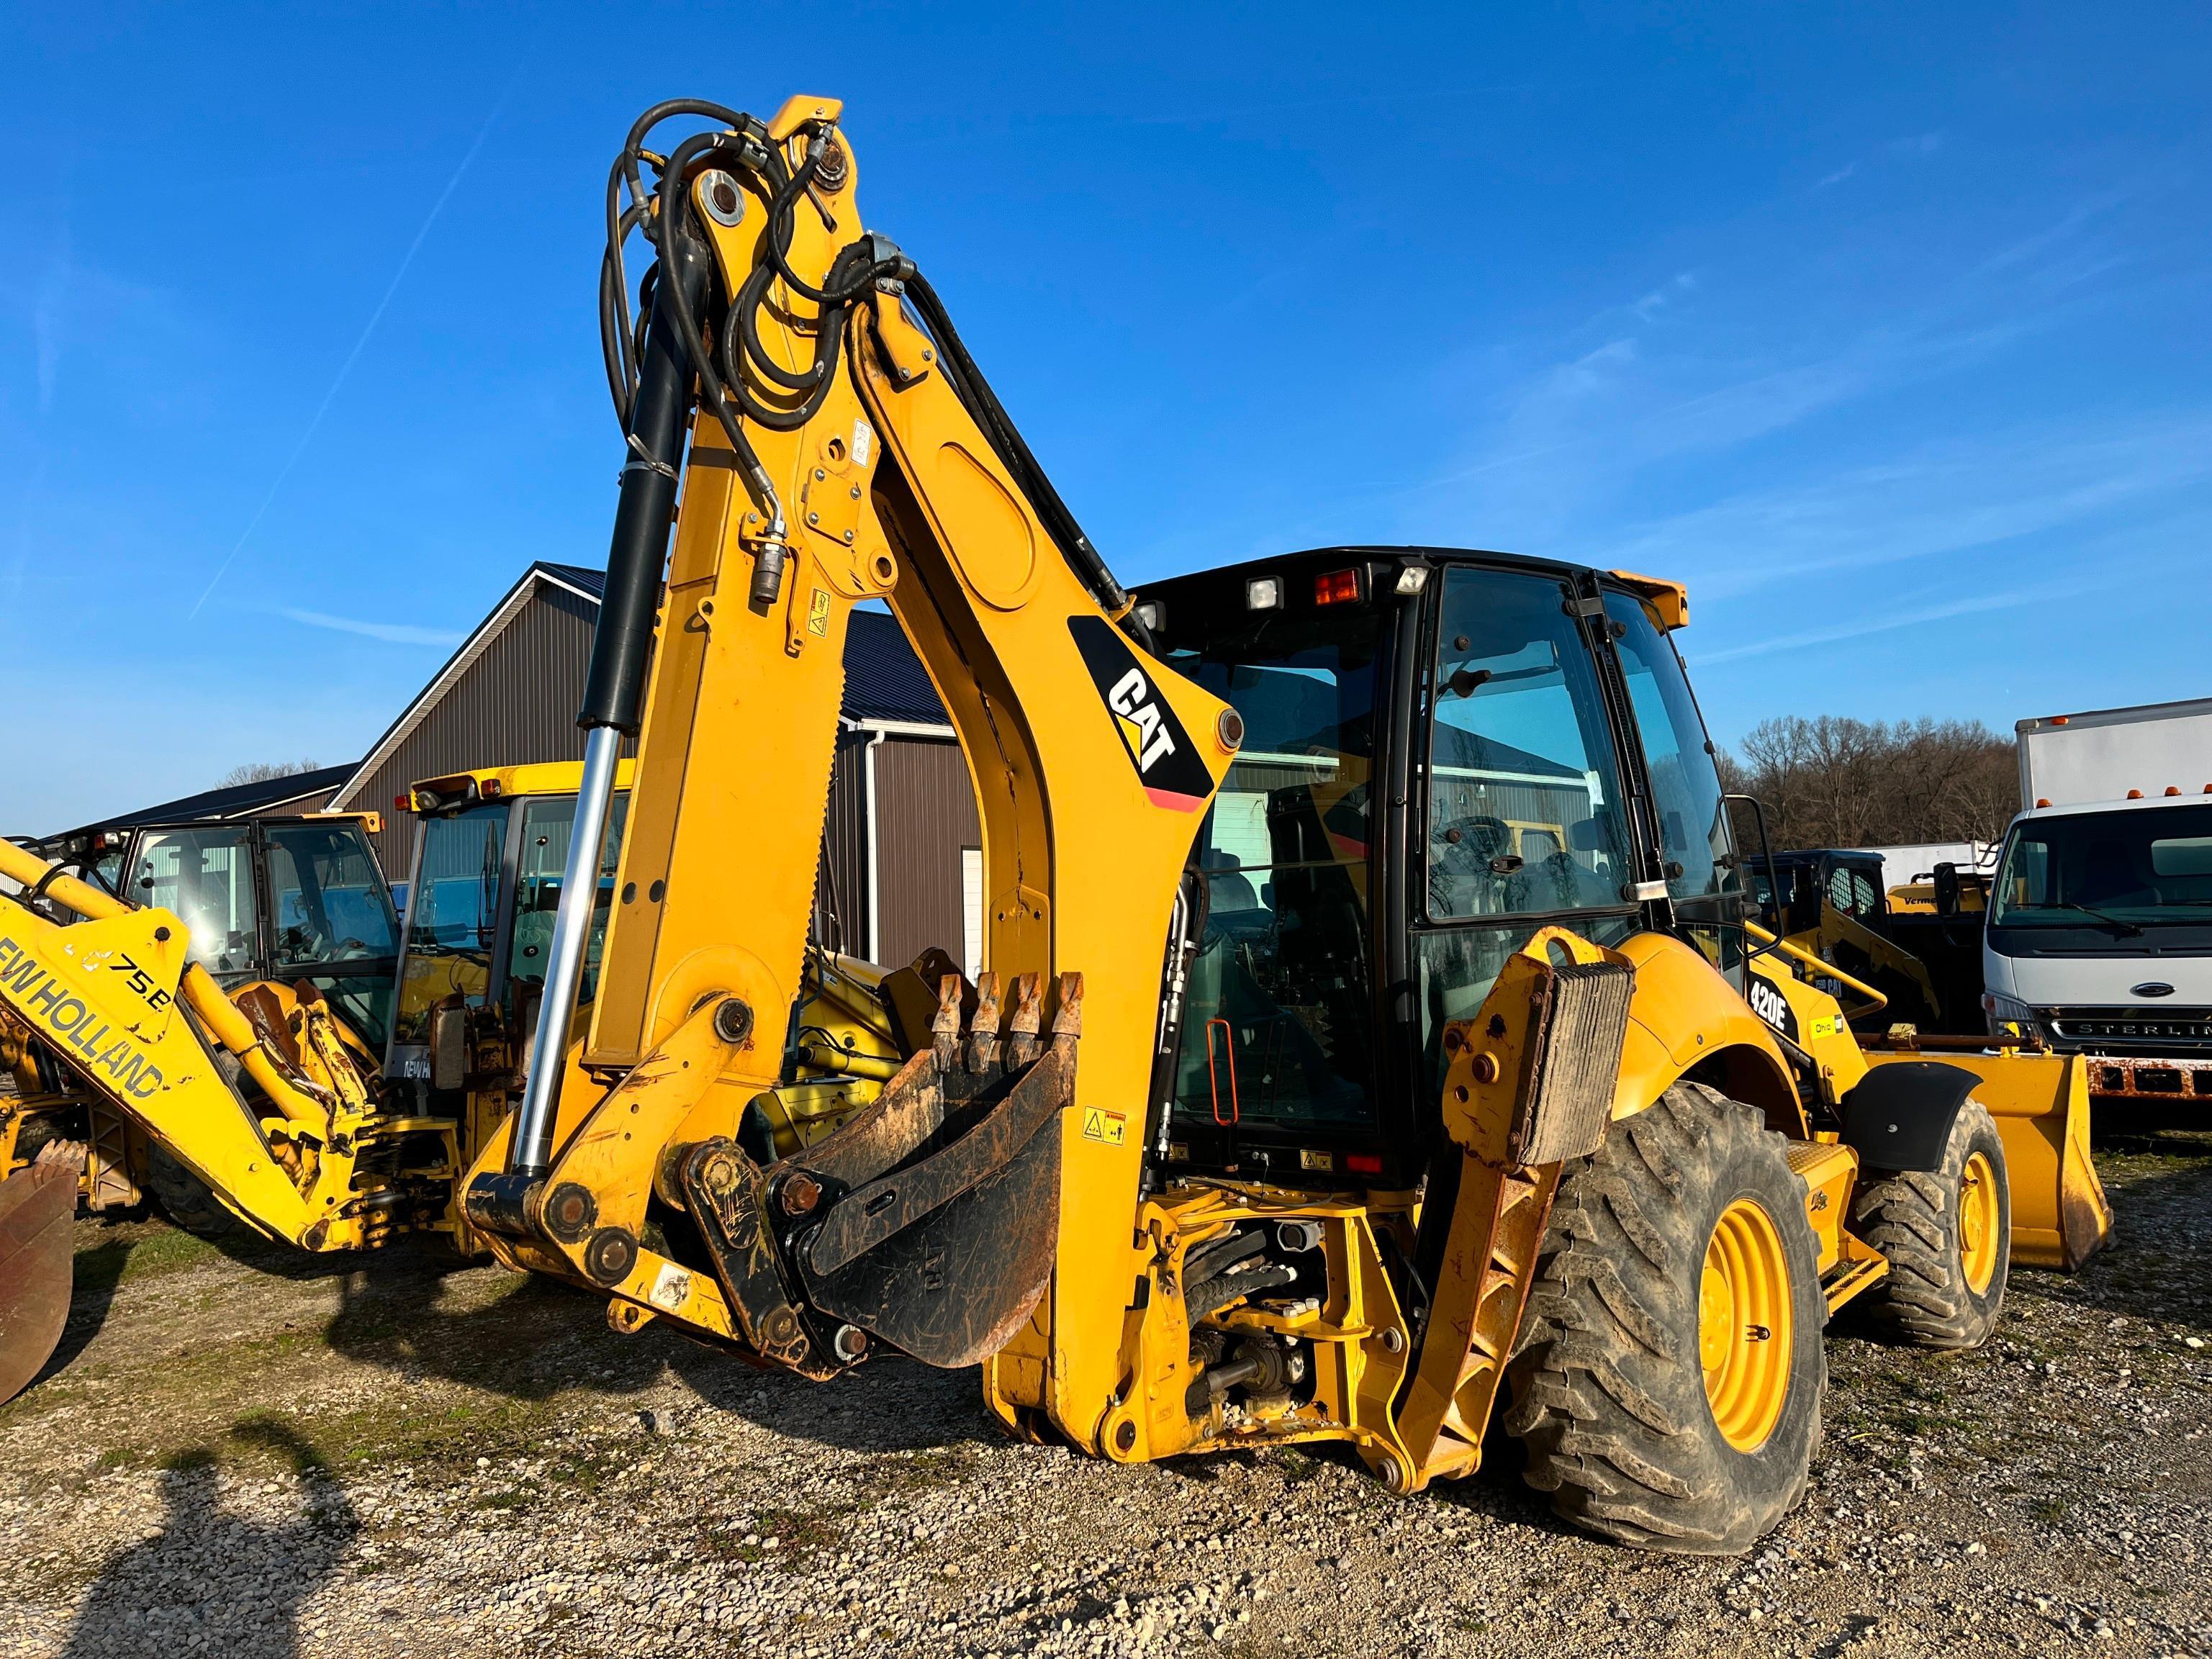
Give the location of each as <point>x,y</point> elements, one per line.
<point>2099,937</point>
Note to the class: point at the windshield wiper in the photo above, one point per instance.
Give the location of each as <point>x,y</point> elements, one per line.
<point>2125,929</point>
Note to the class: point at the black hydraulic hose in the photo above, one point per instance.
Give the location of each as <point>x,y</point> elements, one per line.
<point>614,685</point>
<point>1212,1295</point>
<point>1210,1259</point>
<point>683,314</point>
<point>668,110</point>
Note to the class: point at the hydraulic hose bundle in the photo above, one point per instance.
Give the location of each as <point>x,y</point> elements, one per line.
<point>736,374</point>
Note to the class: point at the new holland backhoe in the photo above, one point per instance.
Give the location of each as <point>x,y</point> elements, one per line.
<point>1370,1026</point>
<point>290,923</point>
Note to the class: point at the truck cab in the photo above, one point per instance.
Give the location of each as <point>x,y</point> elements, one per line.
<point>2098,940</point>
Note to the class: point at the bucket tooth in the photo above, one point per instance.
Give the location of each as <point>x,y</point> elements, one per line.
<point>945,1030</point>
<point>1068,1018</point>
<point>982,1056</point>
<point>1021,1047</point>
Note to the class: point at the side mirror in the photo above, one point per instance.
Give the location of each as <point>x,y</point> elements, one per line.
<point>1947,890</point>
<point>1770,913</point>
<point>1589,836</point>
<point>449,1047</point>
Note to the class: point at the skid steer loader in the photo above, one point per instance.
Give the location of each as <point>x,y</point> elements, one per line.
<point>1371,1029</point>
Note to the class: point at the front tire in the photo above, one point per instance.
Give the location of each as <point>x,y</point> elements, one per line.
<point>1947,1234</point>
<point>1670,1376</point>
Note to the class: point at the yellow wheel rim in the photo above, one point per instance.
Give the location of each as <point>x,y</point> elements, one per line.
<point>1979,1223</point>
<point>1744,1333</point>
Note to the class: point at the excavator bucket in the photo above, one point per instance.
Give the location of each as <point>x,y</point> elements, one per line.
<point>2041,1105</point>
<point>928,1222</point>
<point>38,1208</point>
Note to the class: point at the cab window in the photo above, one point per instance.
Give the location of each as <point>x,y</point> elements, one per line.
<point>1524,818</point>
<point>1524,808</point>
<point>206,877</point>
<point>327,897</point>
<point>1686,785</point>
<point>453,916</point>
<point>546,824</point>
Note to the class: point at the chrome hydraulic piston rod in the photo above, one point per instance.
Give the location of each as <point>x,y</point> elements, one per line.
<point>613,694</point>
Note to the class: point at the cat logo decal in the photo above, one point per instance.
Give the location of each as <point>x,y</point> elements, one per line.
<point>1167,766</point>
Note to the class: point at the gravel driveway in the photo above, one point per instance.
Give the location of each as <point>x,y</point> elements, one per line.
<point>252,1453</point>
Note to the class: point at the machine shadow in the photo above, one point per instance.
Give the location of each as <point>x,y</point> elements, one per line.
<point>532,1338</point>
<point>189,1582</point>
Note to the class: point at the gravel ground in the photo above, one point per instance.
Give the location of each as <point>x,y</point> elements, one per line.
<point>251,1454</point>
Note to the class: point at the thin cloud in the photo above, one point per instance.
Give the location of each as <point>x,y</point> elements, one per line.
<point>390,633</point>
<point>306,436</point>
<point>1945,499</point>
<point>1838,177</point>
<point>1885,625</point>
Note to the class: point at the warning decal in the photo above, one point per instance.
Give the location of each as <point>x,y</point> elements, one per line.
<point>1109,1128</point>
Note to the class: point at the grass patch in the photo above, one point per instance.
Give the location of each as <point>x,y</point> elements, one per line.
<point>153,1254</point>
<point>800,1535</point>
<point>452,1434</point>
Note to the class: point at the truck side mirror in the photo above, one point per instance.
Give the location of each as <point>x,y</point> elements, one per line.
<point>1947,890</point>
<point>449,1047</point>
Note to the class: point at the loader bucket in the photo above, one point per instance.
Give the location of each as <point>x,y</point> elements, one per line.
<point>2041,1105</point>
<point>927,1222</point>
<point>37,1210</point>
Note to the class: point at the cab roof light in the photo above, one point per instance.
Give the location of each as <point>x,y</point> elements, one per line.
<point>2173,788</point>
<point>2058,720</point>
<point>490,788</point>
<point>2045,800</point>
<point>1151,614</point>
<point>1264,594</point>
<point>2135,794</point>
<point>402,803</point>
<point>1337,588</point>
<point>1412,579</point>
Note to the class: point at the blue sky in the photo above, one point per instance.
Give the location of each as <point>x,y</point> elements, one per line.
<point>1884,327</point>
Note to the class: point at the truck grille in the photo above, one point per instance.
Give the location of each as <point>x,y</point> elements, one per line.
<point>2130,1031</point>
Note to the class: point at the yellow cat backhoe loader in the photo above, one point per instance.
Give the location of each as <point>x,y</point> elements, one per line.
<point>1370,1028</point>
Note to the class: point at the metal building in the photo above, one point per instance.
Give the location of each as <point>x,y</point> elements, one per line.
<point>902,867</point>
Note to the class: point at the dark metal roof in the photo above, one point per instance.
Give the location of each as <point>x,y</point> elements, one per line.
<point>884,679</point>
<point>236,801</point>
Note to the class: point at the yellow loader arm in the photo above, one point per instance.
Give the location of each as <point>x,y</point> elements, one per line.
<point>264,1094</point>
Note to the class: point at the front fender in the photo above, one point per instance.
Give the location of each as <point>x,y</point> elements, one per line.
<point>1684,1017</point>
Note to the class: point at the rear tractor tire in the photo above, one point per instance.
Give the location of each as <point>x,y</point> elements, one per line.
<point>187,1199</point>
<point>1669,1379</point>
<point>1947,1233</point>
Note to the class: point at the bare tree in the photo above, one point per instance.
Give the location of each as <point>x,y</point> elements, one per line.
<point>1835,781</point>
<point>263,771</point>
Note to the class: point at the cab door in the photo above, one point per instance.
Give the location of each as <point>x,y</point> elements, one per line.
<point>1689,820</point>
